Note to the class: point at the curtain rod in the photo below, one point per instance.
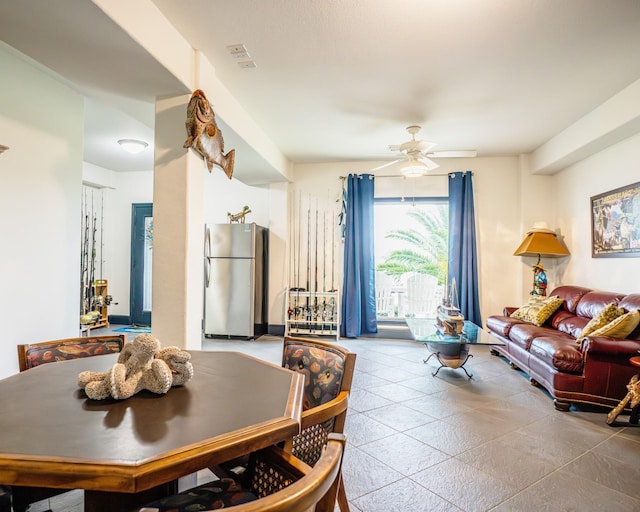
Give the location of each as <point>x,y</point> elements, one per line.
<point>406,177</point>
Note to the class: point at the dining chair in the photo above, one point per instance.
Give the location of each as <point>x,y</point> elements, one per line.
<point>35,354</point>
<point>274,481</point>
<point>328,369</point>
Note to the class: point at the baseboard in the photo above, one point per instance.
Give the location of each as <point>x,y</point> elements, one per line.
<point>275,330</point>
<point>120,319</point>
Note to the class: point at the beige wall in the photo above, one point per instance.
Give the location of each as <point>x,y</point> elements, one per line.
<point>612,168</point>
<point>498,213</point>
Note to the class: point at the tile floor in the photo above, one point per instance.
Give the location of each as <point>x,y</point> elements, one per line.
<point>446,443</point>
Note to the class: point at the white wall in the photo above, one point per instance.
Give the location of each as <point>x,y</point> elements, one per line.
<point>40,186</point>
<point>612,168</point>
<point>223,195</point>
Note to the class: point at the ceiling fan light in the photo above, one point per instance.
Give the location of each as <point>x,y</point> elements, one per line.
<point>416,168</point>
<point>133,146</point>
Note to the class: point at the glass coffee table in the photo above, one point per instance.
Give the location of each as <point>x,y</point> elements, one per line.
<point>451,350</point>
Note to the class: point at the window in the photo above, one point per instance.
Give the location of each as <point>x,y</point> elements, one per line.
<point>411,250</point>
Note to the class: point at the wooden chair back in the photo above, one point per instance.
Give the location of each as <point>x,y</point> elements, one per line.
<point>34,354</point>
<point>328,370</point>
<point>279,481</point>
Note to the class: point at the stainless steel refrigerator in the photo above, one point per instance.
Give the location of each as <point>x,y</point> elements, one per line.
<point>235,303</point>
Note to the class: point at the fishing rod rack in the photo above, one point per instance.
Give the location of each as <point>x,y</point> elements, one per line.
<point>315,313</point>
<point>312,305</point>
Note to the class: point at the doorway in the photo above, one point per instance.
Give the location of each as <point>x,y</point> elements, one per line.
<point>141,263</point>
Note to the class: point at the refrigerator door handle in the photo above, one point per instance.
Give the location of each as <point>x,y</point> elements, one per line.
<point>207,257</point>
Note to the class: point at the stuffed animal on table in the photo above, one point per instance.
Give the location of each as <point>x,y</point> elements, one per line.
<point>142,364</point>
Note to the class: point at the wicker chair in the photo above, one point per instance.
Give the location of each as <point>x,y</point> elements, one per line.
<point>328,370</point>
<point>35,354</point>
<point>274,481</point>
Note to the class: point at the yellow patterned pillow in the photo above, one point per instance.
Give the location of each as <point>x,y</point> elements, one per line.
<point>621,327</point>
<point>607,314</point>
<point>538,309</point>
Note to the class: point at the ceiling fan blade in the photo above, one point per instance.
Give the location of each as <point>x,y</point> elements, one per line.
<point>384,165</point>
<point>430,164</point>
<point>466,153</point>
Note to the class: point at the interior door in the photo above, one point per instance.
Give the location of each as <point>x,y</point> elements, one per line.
<point>141,263</point>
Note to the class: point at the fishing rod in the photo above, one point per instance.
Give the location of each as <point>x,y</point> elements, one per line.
<point>292,262</point>
<point>299,232</point>
<point>84,264</point>
<point>92,268</point>
<point>333,259</point>
<point>333,249</point>
<point>324,267</point>
<point>308,305</point>
<point>315,297</point>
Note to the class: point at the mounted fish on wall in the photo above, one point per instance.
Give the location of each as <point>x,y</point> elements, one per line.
<point>204,135</point>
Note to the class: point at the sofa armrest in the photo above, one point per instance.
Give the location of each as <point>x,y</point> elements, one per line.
<point>610,346</point>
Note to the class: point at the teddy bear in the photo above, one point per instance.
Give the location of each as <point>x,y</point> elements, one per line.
<point>142,364</point>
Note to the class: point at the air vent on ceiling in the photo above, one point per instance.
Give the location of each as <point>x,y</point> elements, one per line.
<point>238,51</point>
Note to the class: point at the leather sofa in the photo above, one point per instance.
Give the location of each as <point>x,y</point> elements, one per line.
<point>593,371</point>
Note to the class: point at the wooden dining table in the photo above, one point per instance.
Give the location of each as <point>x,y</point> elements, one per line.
<point>125,452</point>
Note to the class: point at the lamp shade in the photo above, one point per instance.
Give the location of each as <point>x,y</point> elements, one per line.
<point>541,242</point>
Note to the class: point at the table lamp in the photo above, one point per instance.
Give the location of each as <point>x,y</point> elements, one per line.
<point>541,241</point>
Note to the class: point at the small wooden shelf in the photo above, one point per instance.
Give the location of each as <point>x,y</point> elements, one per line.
<point>100,290</point>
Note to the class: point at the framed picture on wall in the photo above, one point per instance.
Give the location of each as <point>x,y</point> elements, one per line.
<point>615,223</point>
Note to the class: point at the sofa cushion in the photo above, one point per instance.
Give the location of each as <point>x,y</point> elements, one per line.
<point>621,327</point>
<point>607,314</point>
<point>593,302</point>
<point>523,334</point>
<point>567,323</point>
<point>502,324</point>
<point>559,351</point>
<point>538,309</point>
<point>571,296</point>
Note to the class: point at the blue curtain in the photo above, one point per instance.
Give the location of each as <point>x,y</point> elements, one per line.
<point>358,289</point>
<point>463,259</point>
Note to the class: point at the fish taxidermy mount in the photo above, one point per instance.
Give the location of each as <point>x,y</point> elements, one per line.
<point>204,136</point>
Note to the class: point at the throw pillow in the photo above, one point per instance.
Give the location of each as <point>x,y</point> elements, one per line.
<point>621,327</point>
<point>607,314</point>
<point>538,309</point>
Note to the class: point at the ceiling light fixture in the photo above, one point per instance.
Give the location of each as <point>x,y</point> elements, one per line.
<point>3,148</point>
<point>416,168</point>
<point>133,146</point>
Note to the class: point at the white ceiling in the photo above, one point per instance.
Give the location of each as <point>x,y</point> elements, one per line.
<point>339,80</point>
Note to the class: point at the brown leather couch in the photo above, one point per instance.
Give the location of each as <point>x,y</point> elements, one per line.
<point>595,371</point>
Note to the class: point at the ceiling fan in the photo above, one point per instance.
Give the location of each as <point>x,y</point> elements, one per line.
<point>417,155</point>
